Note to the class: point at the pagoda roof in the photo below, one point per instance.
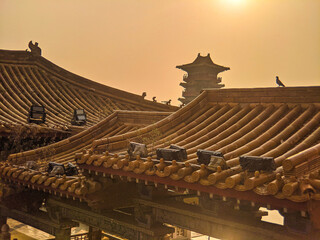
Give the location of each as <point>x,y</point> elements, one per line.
<point>202,61</point>
<point>27,78</point>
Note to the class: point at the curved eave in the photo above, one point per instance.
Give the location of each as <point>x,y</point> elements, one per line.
<point>25,57</point>
<point>191,66</point>
<point>273,122</point>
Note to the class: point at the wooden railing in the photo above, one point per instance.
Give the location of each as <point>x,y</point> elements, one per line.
<point>84,236</point>
<point>81,236</point>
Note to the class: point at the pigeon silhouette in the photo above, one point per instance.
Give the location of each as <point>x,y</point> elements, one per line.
<point>280,84</point>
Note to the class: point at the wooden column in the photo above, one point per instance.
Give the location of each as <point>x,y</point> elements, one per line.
<point>5,232</point>
<point>63,234</point>
<point>3,220</point>
<point>94,233</point>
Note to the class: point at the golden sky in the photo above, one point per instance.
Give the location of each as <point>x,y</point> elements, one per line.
<point>134,45</point>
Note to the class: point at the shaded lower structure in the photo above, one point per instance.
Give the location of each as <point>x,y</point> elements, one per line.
<point>15,137</point>
<point>142,197</point>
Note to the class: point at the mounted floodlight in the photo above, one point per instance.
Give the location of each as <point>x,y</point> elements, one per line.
<point>183,151</point>
<point>37,114</point>
<point>173,153</point>
<point>254,163</point>
<point>136,149</point>
<point>79,117</point>
<point>212,159</point>
<point>71,169</point>
<point>168,154</point>
<point>55,169</point>
<point>204,156</point>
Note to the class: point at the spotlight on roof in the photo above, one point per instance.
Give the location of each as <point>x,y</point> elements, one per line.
<point>183,151</point>
<point>55,169</point>
<point>37,114</point>
<point>71,169</point>
<point>212,159</point>
<point>136,149</point>
<point>79,117</point>
<point>253,163</point>
<point>59,169</point>
<point>173,153</point>
<point>204,156</point>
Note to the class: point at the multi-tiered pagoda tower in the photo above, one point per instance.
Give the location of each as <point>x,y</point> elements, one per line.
<point>202,73</point>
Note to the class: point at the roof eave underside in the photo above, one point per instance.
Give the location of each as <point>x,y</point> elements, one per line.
<point>190,66</point>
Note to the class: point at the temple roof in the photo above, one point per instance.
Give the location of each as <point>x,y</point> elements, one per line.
<point>271,122</point>
<point>281,123</point>
<point>28,79</point>
<point>118,122</point>
<point>202,61</point>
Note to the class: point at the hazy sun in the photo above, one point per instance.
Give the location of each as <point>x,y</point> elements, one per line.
<point>234,2</point>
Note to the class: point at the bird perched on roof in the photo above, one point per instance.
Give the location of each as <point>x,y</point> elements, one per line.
<point>280,84</point>
<point>144,94</point>
<point>154,99</point>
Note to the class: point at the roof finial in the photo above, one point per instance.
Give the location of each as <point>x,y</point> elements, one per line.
<point>167,102</point>
<point>35,49</point>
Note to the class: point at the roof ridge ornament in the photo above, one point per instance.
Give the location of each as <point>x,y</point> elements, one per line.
<point>34,48</point>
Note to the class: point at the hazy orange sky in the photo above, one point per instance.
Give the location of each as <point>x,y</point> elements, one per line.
<point>134,45</point>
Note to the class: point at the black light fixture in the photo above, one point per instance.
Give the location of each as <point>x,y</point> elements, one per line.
<point>79,117</point>
<point>254,163</point>
<point>173,153</point>
<point>214,160</point>
<point>55,169</point>
<point>136,149</point>
<point>71,169</point>
<point>183,151</point>
<point>59,169</point>
<point>204,156</point>
<point>37,114</point>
